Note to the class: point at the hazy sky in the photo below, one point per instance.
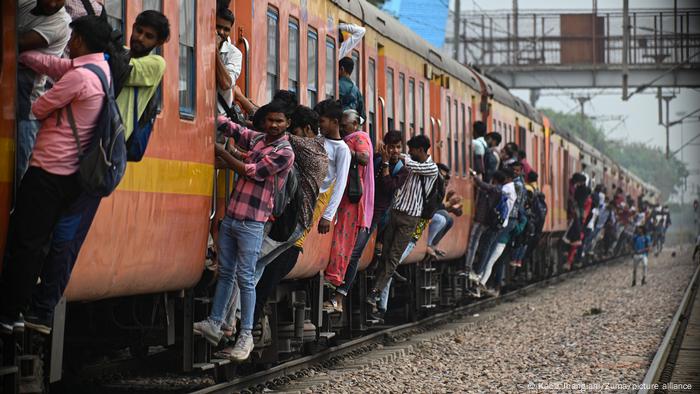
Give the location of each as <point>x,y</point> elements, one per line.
<point>641,111</point>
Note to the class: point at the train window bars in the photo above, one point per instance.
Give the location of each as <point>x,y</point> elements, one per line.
<point>331,67</point>
<point>448,128</point>
<point>355,76</point>
<point>115,15</point>
<point>293,64</point>
<point>421,107</point>
<point>312,67</point>
<point>402,103</point>
<point>412,106</point>
<point>455,139</point>
<point>273,41</point>
<point>156,5</point>
<point>371,104</point>
<point>390,98</point>
<point>187,74</point>
<point>463,141</point>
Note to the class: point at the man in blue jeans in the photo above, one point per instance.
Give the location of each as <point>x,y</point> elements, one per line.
<point>269,157</point>
<point>390,174</point>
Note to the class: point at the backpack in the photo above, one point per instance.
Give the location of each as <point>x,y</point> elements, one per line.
<point>103,164</point>
<point>500,212</point>
<point>354,185</point>
<point>138,140</point>
<point>433,199</point>
<point>284,225</point>
<point>539,206</point>
<point>281,196</point>
<point>233,112</point>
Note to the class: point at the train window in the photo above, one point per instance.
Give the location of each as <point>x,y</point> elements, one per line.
<point>293,65</point>
<point>494,126</point>
<point>421,101</point>
<point>371,86</point>
<point>115,14</point>
<point>390,98</point>
<point>464,140</point>
<point>273,40</point>
<point>355,76</point>
<point>402,103</point>
<point>412,106</point>
<point>331,67</point>
<point>312,67</point>
<point>187,72</point>
<point>156,5</point>
<point>448,128</point>
<point>455,139</point>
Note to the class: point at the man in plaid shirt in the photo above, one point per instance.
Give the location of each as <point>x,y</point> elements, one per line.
<point>240,237</point>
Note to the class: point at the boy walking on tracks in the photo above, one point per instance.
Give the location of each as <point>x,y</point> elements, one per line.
<point>642,246</point>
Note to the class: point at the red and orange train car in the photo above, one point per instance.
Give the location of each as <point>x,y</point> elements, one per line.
<point>149,239</point>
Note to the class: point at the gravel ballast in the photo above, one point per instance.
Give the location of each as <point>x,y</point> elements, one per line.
<point>592,332</point>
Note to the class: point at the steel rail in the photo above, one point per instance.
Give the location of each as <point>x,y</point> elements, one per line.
<point>661,358</point>
<point>256,381</point>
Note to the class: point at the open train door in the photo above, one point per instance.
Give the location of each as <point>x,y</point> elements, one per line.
<point>8,81</point>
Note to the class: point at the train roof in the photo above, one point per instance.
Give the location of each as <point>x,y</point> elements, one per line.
<point>389,26</point>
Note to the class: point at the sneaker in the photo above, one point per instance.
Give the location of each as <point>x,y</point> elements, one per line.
<point>372,298</point>
<point>475,292</point>
<point>376,315</point>
<point>244,345</point>
<point>493,292</point>
<point>399,278</point>
<point>644,281</point>
<point>38,324</point>
<point>634,283</point>
<point>474,277</point>
<point>18,326</point>
<point>207,329</point>
<point>332,306</point>
<point>6,325</point>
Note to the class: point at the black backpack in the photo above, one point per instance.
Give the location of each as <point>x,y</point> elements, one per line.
<point>432,200</point>
<point>284,225</point>
<point>103,164</point>
<point>539,206</point>
<point>354,185</point>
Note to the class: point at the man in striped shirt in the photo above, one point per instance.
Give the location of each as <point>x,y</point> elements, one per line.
<point>405,210</point>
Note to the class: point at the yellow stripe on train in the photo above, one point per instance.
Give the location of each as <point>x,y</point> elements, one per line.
<point>153,175</point>
<point>7,159</point>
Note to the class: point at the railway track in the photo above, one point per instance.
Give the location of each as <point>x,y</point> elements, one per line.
<point>300,368</point>
<point>664,363</point>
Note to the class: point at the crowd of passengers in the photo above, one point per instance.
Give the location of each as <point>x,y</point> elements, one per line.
<point>297,169</point>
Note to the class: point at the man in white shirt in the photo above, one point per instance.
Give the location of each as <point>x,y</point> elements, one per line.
<point>331,113</point>
<point>231,58</point>
<point>41,25</point>
<point>488,242</point>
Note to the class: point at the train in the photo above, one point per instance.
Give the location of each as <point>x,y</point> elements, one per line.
<point>136,281</point>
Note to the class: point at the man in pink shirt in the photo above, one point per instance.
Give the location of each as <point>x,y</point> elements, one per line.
<point>51,182</point>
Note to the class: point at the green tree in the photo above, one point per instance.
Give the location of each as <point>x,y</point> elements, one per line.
<point>649,163</point>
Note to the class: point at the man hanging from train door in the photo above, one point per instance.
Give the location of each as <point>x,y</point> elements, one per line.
<point>70,113</point>
<point>406,211</point>
<point>262,171</point>
<point>43,26</point>
<point>350,95</point>
<point>138,107</point>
